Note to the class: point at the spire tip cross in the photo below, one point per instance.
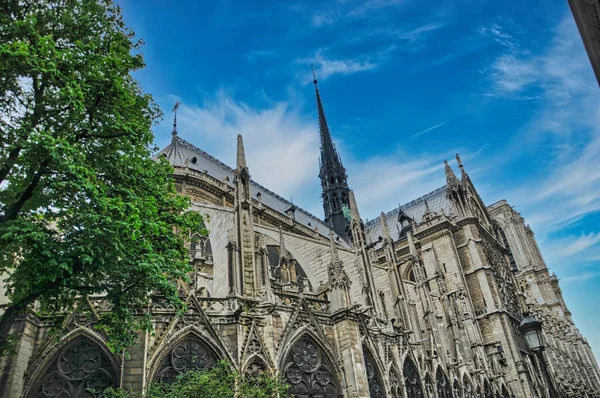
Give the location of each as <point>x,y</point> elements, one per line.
<point>313,72</point>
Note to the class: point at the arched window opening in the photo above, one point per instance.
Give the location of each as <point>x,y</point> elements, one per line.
<point>255,368</point>
<point>80,369</point>
<point>376,386</point>
<point>308,371</point>
<point>478,392</point>
<point>410,274</point>
<point>505,393</point>
<point>191,353</point>
<point>411,379</point>
<point>468,388</point>
<point>442,383</point>
<point>429,387</point>
<point>456,389</point>
<point>487,390</point>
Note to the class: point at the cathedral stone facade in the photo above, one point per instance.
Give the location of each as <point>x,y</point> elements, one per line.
<point>423,302</point>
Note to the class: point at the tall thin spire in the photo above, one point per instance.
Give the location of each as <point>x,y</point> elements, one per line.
<point>329,156</point>
<point>175,107</point>
<point>333,177</point>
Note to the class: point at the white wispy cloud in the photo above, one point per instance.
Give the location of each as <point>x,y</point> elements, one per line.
<point>281,144</point>
<point>573,248</point>
<point>327,66</point>
<point>580,277</point>
<point>496,33</point>
<point>430,128</point>
<point>335,11</point>
<point>567,116</point>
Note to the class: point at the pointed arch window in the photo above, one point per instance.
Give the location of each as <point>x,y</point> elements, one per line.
<point>191,353</point>
<point>468,391</point>
<point>429,387</point>
<point>255,368</point>
<point>505,393</point>
<point>487,390</point>
<point>456,389</point>
<point>444,389</point>
<point>411,379</point>
<point>376,386</point>
<point>81,368</point>
<point>308,371</point>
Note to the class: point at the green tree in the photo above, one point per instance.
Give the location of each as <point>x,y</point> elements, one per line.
<point>219,382</point>
<point>84,210</point>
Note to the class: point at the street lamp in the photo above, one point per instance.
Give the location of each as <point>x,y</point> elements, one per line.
<point>531,329</point>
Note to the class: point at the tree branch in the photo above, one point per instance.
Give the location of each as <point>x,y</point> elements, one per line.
<point>13,211</point>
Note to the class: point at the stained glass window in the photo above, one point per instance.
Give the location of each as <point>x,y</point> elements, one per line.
<point>444,389</point>
<point>308,371</point>
<point>376,387</point>
<point>80,369</point>
<point>189,354</point>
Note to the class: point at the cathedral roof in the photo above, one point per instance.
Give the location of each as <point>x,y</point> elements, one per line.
<point>436,200</point>
<point>180,151</point>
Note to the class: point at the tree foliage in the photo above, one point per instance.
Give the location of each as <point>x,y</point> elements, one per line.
<point>84,210</point>
<point>219,382</point>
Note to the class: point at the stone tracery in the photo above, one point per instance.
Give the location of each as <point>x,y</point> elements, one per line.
<point>80,369</point>
<point>308,371</point>
<point>191,353</point>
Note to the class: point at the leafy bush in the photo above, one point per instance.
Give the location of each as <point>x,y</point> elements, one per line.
<point>222,381</point>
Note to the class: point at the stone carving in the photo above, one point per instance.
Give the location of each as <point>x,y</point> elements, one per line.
<point>308,372</point>
<point>81,369</point>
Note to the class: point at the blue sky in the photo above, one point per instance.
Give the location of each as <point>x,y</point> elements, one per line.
<point>405,84</point>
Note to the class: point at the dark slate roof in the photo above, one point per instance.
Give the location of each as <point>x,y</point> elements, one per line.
<point>415,209</point>
<point>180,150</point>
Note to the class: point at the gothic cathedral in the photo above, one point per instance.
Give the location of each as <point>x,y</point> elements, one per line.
<point>423,302</point>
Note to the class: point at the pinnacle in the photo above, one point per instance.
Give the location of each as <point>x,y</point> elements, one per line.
<point>241,155</point>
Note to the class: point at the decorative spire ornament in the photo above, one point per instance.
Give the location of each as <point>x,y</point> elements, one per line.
<point>175,107</point>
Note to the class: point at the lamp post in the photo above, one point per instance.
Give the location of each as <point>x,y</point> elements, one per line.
<point>531,329</point>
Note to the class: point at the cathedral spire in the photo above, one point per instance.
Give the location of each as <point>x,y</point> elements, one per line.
<point>329,156</point>
<point>333,177</point>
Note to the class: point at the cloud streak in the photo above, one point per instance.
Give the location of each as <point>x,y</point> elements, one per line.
<point>430,128</point>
